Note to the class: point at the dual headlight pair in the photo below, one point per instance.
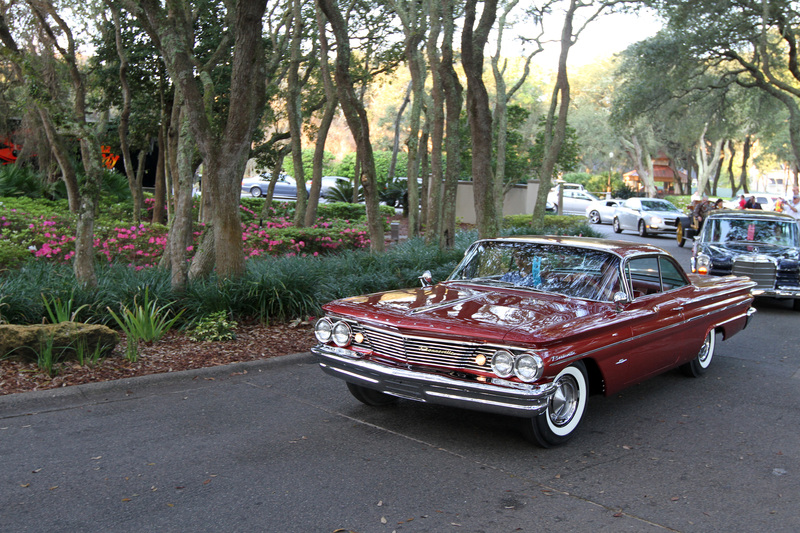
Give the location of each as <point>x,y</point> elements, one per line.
<point>527,367</point>
<point>340,332</point>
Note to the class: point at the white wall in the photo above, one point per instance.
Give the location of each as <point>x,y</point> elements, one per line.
<point>518,201</point>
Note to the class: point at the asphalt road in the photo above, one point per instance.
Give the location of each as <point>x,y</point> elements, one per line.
<point>279,446</point>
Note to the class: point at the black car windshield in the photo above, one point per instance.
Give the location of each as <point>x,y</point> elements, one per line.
<point>658,205</point>
<point>775,232</point>
<point>553,268</point>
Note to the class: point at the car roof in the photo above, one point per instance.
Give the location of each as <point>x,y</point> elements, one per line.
<point>620,248</point>
<point>749,214</point>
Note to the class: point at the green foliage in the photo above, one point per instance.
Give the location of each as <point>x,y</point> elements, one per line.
<point>308,164</point>
<point>213,327</point>
<point>553,225</point>
<point>343,192</point>
<point>568,155</point>
<point>61,311</point>
<point>681,202</point>
<point>18,181</point>
<point>12,256</point>
<point>383,160</point>
<point>84,356</point>
<point>147,322</point>
<point>48,356</point>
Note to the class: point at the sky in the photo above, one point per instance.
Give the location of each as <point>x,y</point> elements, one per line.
<point>611,34</point>
<point>603,37</point>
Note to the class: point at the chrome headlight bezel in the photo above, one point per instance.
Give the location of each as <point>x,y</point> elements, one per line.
<point>528,367</point>
<point>703,264</point>
<point>503,363</point>
<point>323,330</point>
<point>342,333</point>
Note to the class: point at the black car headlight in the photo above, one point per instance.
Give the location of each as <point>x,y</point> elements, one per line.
<point>323,330</point>
<point>703,264</point>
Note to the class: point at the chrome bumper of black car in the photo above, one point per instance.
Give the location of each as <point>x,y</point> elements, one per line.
<point>776,293</point>
<point>435,388</point>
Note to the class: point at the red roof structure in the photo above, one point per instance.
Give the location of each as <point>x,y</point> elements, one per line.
<point>662,174</point>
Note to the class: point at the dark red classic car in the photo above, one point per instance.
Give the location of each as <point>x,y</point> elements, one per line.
<point>530,327</point>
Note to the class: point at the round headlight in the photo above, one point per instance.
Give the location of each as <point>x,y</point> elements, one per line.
<point>323,330</point>
<point>341,333</point>
<point>528,367</point>
<point>502,363</point>
<point>703,264</point>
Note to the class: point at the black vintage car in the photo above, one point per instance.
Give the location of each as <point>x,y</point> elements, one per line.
<point>762,245</point>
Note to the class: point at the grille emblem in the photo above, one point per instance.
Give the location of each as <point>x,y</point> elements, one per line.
<point>428,349</point>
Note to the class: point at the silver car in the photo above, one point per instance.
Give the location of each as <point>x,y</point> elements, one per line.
<point>602,211</point>
<point>646,215</point>
<point>574,201</point>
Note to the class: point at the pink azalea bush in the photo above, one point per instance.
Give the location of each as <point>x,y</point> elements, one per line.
<point>51,237</point>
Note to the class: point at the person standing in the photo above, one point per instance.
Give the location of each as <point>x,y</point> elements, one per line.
<point>701,211</point>
<point>793,207</point>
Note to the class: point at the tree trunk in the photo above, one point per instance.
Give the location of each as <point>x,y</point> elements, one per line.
<point>396,129</point>
<point>453,93</point>
<point>436,124</point>
<point>745,162</point>
<point>124,120</point>
<point>295,112</point>
<point>556,124</point>
<point>473,43</point>
<point>357,121</point>
<point>180,232</point>
<point>224,154</point>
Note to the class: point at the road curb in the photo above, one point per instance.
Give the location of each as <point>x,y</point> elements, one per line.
<point>54,399</point>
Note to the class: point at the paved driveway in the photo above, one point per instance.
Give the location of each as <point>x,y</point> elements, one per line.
<point>279,446</point>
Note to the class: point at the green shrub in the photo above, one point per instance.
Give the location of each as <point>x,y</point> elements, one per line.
<point>12,255</point>
<point>213,327</point>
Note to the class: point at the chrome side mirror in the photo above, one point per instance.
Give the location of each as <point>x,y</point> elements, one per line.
<point>620,297</point>
<point>426,278</point>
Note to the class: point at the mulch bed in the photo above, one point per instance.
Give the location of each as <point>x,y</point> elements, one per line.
<point>173,353</point>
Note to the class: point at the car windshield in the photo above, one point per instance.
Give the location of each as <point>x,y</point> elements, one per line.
<point>657,205</point>
<point>567,270</point>
<point>775,232</point>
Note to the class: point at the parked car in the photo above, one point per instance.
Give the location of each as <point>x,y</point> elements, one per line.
<point>256,186</point>
<point>602,211</point>
<point>574,200</point>
<point>762,245</point>
<point>530,327</point>
<point>328,183</point>
<point>646,215</point>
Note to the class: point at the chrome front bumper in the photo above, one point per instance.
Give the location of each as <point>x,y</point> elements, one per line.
<point>435,388</point>
<point>776,293</point>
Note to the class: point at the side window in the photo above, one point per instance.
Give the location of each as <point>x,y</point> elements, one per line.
<point>671,274</point>
<point>643,276</point>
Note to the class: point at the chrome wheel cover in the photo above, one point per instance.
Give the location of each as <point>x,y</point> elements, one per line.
<point>706,351</point>
<point>564,402</point>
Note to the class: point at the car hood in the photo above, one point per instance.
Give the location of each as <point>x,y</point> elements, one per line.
<point>481,313</point>
<point>662,214</point>
<point>732,249</point>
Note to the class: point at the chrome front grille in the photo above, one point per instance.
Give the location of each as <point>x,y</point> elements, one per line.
<point>763,272</point>
<point>427,351</point>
